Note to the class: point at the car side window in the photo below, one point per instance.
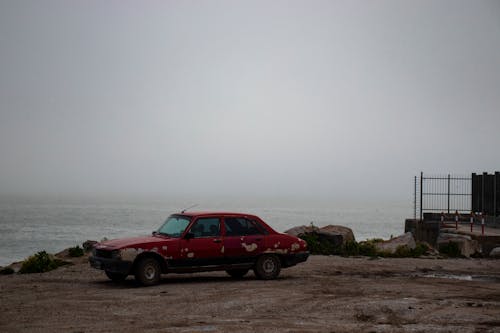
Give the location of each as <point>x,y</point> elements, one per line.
<point>240,226</point>
<point>206,227</point>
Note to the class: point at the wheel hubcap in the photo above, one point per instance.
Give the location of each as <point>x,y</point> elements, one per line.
<point>268,266</point>
<point>150,272</point>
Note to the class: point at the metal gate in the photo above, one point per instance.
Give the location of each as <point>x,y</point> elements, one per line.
<point>444,193</point>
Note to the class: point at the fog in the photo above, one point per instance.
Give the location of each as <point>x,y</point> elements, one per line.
<point>322,99</point>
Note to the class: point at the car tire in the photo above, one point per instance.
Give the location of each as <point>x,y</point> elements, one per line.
<point>267,267</point>
<point>237,273</point>
<point>115,277</point>
<point>148,272</point>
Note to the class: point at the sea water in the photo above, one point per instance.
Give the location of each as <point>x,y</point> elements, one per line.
<point>31,225</point>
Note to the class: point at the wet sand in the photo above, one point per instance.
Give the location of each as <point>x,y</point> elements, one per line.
<point>325,294</point>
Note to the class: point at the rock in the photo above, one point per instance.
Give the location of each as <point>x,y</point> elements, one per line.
<point>431,250</point>
<point>466,245</point>
<point>334,239</point>
<point>335,234</point>
<point>495,253</point>
<point>63,254</point>
<point>301,230</point>
<point>391,245</point>
<point>88,245</point>
<point>345,232</point>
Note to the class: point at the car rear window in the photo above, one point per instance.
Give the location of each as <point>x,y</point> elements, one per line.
<point>241,226</point>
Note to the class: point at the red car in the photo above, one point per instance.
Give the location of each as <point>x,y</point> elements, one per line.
<point>202,241</point>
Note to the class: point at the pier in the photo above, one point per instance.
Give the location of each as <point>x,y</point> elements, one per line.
<point>460,207</point>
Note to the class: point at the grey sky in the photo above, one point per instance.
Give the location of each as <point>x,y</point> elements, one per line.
<point>313,98</point>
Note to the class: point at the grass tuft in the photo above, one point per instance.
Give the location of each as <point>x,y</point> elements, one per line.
<point>40,262</point>
<point>76,251</point>
<point>6,271</point>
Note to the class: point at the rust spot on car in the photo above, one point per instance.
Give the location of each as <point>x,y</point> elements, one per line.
<point>129,254</point>
<point>249,247</point>
<point>295,246</point>
<point>190,255</point>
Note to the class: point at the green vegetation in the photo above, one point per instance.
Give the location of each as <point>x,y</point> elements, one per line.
<point>405,252</point>
<point>6,271</point>
<point>40,262</point>
<point>76,251</point>
<point>317,245</point>
<point>353,248</point>
<point>350,248</point>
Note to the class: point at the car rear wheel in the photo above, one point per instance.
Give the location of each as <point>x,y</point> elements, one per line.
<point>148,272</point>
<point>267,267</point>
<point>237,273</point>
<point>115,277</point>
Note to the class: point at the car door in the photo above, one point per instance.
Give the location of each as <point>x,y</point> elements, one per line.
<point>202,243</point>
<point>244,239</point>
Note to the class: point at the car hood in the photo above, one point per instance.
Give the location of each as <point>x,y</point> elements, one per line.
<point>135,242</point>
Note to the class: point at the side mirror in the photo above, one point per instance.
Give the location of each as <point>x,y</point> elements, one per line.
<point>154,233</point>
<point>189,235</point>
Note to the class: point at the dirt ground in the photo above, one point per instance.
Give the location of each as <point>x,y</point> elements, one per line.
<point>325,294</point>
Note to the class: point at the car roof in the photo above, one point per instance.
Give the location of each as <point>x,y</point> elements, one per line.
<point>212,213</point>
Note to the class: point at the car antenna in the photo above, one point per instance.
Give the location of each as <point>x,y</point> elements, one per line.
<point>184,210</point>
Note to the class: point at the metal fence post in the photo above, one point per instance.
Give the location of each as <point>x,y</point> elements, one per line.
<point>415,199</point>
<point>448,193</point>
<point>483,177</point>
<point>482,225</point>
<point>471,221</point>
<point>421,191</point>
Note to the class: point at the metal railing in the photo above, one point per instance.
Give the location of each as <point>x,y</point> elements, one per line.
<point>445,193</point>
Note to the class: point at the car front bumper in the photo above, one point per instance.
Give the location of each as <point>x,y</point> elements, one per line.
<point>111,265</point>
<point>293,259</point>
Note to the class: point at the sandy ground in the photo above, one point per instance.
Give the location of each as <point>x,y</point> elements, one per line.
<point>325,294</point>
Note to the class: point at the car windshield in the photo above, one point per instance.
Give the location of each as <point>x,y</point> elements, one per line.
<point>174,226</point>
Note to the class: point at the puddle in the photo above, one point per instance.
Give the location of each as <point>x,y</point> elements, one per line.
<point>462,277</point>
<point>208,328</point>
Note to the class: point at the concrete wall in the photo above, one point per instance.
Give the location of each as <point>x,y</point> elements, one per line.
<point>423,231</point>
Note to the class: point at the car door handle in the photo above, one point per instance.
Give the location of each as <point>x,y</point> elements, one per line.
<point>258,239</point>
<point>217,240</point>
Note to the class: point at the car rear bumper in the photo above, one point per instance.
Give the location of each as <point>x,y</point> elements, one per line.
<point>293,259</point>
<point>111,265</point>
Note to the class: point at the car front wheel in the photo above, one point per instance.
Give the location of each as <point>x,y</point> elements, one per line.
<point>267,267</point>
<point>148,272</point>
